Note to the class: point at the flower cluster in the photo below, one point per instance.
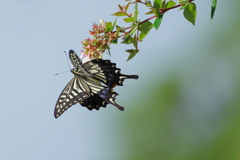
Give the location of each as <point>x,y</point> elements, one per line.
<point>101,39</point>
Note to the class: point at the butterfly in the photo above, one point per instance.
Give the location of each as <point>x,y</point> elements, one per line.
<point>91,85</point>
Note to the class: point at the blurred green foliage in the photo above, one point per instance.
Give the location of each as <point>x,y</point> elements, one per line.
<point>194,114</point>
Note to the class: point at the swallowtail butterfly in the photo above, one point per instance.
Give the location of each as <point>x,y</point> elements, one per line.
<point>91,85</point>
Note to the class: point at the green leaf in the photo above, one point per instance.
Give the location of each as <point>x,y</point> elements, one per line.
<point>120,29</point>
<point>157,4</point>
<point>115,41</point>
<point>133,31</point>
<point>158,14</point>
<point>163,4</point>
<point>170,4</point>
<point>126,8</point>
<point>118,14</point>
<point>129,19</point>
<point>135,11</point>
<point>132,52</point>
<point>150,12</point>
<point>108,52</point>
<point>127,39</point>
<point>108,26</point>
<point>190,12</point>
<point>114,24</point>
<point>120,7</point>
<point>157,22</point>
<point>213,8</point>
<point>117,31</point>
<point>142,35</point>
<point>134,24</point>
<point>103,46</point>
<point>135,42</point>
<point>145,27</point>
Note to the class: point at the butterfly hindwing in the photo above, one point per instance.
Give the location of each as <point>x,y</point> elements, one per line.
<point>100,96</point>
<point>94,102</point>
<point>107,72</point>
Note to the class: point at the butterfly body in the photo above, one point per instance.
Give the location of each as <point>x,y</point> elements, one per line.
<point>86,87</point>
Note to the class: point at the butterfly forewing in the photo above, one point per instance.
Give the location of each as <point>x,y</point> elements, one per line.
<point>77,63</point>
<point>74,92</point>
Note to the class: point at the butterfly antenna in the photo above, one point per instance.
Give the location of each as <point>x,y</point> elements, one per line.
<point>67,63</point>
<point>67,60</point>
<point>61,73</point>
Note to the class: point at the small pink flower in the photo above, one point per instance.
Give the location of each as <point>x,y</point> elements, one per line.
<point>94,47</point>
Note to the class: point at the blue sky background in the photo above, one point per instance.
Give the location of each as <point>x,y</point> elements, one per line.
<point>34,35</point>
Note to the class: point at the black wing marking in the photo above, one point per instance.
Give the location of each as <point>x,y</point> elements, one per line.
<point>73,92</point>
<point>94,102</point>
<point>106,72</point>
